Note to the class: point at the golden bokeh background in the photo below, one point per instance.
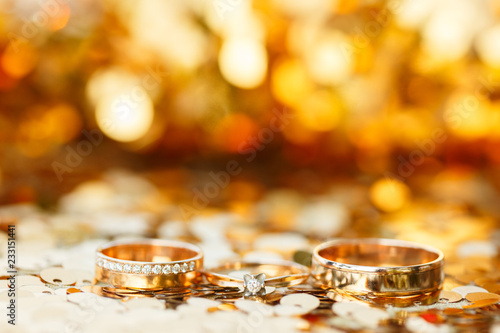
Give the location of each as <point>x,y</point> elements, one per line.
<point>400,96</point>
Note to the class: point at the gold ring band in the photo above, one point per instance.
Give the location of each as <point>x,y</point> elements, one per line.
<point>380,270</point>
<point>148,264</point>
<point>276,273</point>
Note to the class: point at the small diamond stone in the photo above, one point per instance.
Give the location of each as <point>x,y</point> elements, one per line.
<point>157,269</point>
<point>105,265</point>
<point>167,269</point>
<point>118,267</point>
<point>127,268</point>
<point>99,262</point>
<point>146,269</point>
<point>111,266</point>
<point>254,284</point>
<point>136,269</point>
<point>191,266</point>
<point>184,267</point>
<point>176,269</point>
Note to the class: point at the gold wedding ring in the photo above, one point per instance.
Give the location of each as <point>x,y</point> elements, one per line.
<point>148,264</point>
<point>275,273</point>
<point>379,270</point>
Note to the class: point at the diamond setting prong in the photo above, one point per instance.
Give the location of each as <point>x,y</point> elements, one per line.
<point>254,284</point>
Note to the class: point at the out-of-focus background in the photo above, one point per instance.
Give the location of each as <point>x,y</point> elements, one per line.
<point>220,103</point>
<point>255,129</point>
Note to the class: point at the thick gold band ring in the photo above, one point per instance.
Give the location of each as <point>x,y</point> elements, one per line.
<point>148,264</point>
<point>380,270</point>
<point>273,273</point>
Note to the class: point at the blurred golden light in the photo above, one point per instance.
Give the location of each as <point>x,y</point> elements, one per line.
<point>32,149</point>
<point>109,81</point>
<point>64,121</point>
<point>373,161</point>
<point>124,109</point>
<point>495,120</point>
<point>165,28</point>
<point>23,193</point>
<point>305,8</point>
<point>445,41</point>
<point>488,46</point>
<point>469,117</point>
<point>410,126</point>
<point>329,61</point>
<point>372,90</point>
<point>320,111</point>
<point>236,133</point>
<point>125,116</point>
<point>301,36</point>
<point>61,17</point>
<point>242,22</point>
<point>243,62</point>
<point>413,14</point>
<point>363,83</point>
<point>33,135</point>
<point>369,134</point>
<point>244,191</point>
<point>33,127</point>
<point>347,6</point>
<point>18,59</point>
<point>389,195</point>
<point>297,133</point>
<point>448,33</point>
<point>290,82</point>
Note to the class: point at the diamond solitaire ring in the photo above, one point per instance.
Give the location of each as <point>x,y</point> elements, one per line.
<point>256,275</point>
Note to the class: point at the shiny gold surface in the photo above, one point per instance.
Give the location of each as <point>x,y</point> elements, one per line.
<point>149,252</point>
<point>379,268</point>
<point>376,255</point>
<point>145,282</point>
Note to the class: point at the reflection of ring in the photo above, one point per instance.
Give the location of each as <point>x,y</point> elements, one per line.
<point>382,270</point>
<point>149,263</point>
<point>276,273</point>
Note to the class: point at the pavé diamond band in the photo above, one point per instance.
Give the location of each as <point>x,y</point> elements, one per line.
<point>148,263</point>
<point>254,276</point>
<point>379,270</point>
